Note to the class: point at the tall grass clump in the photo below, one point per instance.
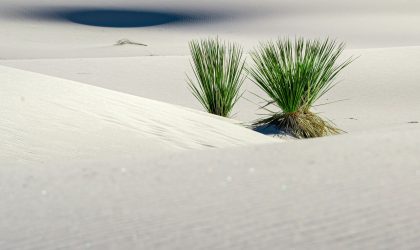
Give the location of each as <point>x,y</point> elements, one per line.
<point>295,74</point>
<point>218,74</point>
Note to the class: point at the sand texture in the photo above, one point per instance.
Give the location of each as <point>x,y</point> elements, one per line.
<point>102,146</point>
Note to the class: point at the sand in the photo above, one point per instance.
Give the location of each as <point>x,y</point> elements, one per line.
<point>103,146</point>
<point>50,120</point>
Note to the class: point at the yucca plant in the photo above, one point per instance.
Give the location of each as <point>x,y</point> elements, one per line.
<point>218,69</point>
<point>295,74</point>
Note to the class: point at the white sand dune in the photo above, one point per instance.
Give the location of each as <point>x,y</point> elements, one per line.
<point>376,91</point>
<point>48,119</point>
<point>83,166</point>
<point>315,194</point>
<point>363,24</point>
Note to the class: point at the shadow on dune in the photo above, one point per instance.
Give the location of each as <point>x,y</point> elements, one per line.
<point>123,18</point>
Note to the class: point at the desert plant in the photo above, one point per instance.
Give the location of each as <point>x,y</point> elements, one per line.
<point>127,41</point>
<point>295,74</point>
<point>218,71</point>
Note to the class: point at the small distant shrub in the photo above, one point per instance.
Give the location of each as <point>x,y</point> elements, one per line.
<point>295,74</point>
<point>126,41</point>
<point>218,71</point>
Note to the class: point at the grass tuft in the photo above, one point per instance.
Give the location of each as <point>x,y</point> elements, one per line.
<point>218,74</point>
<point>295,74</point>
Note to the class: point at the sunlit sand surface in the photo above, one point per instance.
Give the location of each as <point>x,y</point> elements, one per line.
<point>104,147</point>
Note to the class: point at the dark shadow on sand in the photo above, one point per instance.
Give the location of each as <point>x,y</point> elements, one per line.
<point>272,130</point>
<point>123,18</point>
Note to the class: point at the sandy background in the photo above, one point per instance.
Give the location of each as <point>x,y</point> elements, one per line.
<point>103,147</point>
<point>33,29</point>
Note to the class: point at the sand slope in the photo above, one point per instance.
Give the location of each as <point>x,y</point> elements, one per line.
<point>363,24</point>
<point>83,167</point>
<point>46,118</point>
<point>343,192</point>
<point>379,90</point>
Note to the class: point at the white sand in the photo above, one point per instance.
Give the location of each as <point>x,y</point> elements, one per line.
<point>49,119</point>
<point>361,23</point>
<point>344,192</point>
<point>83,167</point>
<point>376,91</point>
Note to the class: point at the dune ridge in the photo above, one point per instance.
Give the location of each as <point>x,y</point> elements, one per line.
<point>45,117</point>
<point>87,167</point>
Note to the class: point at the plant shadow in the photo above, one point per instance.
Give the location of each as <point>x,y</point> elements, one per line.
<point>272,130</point>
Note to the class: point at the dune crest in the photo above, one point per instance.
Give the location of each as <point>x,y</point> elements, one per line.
<point>45,118</point>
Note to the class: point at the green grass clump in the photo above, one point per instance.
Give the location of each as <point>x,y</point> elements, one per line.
<point>295,74</point>
<point>218,70</point>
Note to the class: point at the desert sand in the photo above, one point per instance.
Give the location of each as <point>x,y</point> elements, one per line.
<point>104,147</point>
